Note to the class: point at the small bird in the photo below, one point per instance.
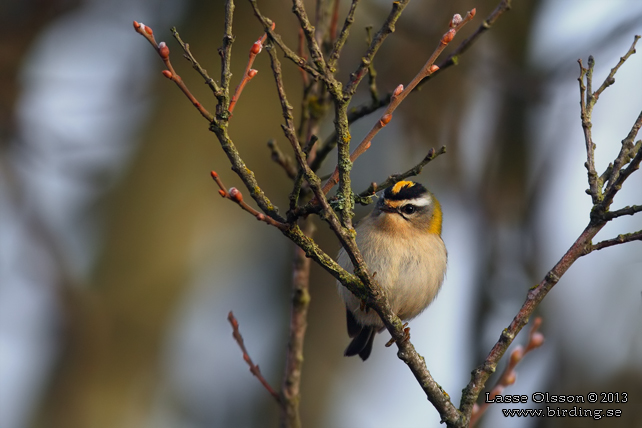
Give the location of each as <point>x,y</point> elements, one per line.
<point>400,241</point>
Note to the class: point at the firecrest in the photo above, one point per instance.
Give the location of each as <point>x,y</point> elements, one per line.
<point>400,241</point>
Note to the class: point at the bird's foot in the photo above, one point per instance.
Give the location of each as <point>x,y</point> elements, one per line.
<point>406,336</point>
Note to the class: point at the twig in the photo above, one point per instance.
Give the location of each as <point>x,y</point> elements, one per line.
<point>372,73</point>
<point>225,51</point>
<point>628,210</point>
<point>235,195</point>
<point>289,53</point>
<point>508,376</point>
<point>401,93</point>
<point>620,239</point>
<point>582,246</point>
<point>343,36</point>
<point>163,52</point>
<point>188,55</point>
<point>282,159</point>
<point>290,389</point>
<point>308,30</point>
<point>395,178</point>
<point>249,73</point>
<point>586,109</point>
<point>254,369</point>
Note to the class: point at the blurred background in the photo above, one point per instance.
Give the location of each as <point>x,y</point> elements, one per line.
<point>119,262</point>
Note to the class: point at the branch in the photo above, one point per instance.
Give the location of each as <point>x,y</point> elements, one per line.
<point>290,390</point>
<point>628,210</point>
<point>289,53</point>
<point>254,369</point>
<point>395,178</point>
<point>343,36</point>
<point>400,93</point>
<point>235,195</point>
<point>386,29</point>
<point>509,375</point>
<point>620,239</point>
<point>225,51</point>
<point>282,159</point>
<point>249,73</point>
<point>163,52</point>
<point>188,55</point>
<point>535,295</point>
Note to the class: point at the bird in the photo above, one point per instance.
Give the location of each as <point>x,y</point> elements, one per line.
<point>400,241</point>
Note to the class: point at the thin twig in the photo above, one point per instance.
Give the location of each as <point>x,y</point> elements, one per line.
<point>282,159</point>
<point>254,369</point>
<point>509,375</point>
<point>628,210</point>
<point>620,239</point>
<point>163,52</point>
<point>188,55</point>
<point>343,36</point>
<point>401,93</point>
<point>249,73</point>
<point>289,53</point>
<point>395,178</point>
<point>225,51</point>
<point>235,195</point>
<point>290,389</point>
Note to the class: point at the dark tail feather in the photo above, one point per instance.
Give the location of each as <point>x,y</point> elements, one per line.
<point>362,344</point>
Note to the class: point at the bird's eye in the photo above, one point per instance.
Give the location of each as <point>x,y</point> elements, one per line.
<point>408,209</point>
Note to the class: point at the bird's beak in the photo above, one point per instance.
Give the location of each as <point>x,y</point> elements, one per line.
<point>387,208</point>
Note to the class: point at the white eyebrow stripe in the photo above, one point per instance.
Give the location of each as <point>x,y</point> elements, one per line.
<point>422,201</point>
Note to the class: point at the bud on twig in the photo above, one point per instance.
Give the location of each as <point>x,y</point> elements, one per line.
<point>163,50</point>
<point>398,90</point>
<point>256,48</point>
<point>433,68</point>
<point>235,195</point>
<point>252,73</point>
<point>168,74</point>
<point>385,119</point>
<point>456,20</point>
<point>449,36</point>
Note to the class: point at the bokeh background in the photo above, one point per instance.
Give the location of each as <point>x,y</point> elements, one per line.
<point>119,261</point>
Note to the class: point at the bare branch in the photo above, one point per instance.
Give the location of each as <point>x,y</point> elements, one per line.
<point>401,93</point>
<point>163,52</point>
<point>188,55</point>
<point>620,239</point>
<point>254,369</point>
<point>509,375</point>
<point>395,178</point>
<point>235,195</point>
<point>290,389</point>
<point>343,36</point>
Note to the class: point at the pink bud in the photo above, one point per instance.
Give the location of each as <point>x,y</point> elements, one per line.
<point>146,29</point>
<point>236,195</point>
<point>163,50</point>
<point>516,355</point>
<point>456,20</point>
<point>260,217</point>
<point>385,119</point>
<point>448,37</point>
<point>472,12</point>
<point>252,72</point>
<point>256,48</point>
<point>168,74</point>
<point>433,68</point>
<point>222,193</point>
<point>537,339</point>
<point>136,25</point>
<point>398,90</point>
<point>214,174</point>
<point>510,378</point>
